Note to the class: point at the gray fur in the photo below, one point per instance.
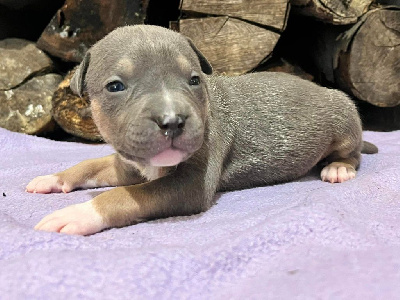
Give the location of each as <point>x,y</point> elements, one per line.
<point>240,132</point>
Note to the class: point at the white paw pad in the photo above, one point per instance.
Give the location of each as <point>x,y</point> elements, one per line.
<point>48,184</point>
<point>338,172</point>
<point>79,219</point>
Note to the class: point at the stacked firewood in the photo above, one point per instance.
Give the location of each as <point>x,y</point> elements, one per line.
<point>356,48</point>
<point>351,45</point>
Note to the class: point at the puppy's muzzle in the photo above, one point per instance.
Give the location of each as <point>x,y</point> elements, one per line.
<point>171,126</point>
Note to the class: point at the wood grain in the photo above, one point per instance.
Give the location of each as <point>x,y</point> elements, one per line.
<point>232,46</point>
<point>267,12</point>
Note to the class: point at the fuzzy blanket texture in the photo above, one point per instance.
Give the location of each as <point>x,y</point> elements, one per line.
<point>306,239</point>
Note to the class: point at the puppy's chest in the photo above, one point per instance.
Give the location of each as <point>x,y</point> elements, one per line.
<point>152,173</point>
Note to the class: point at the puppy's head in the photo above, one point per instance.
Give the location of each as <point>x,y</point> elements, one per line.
<point>148,93</point>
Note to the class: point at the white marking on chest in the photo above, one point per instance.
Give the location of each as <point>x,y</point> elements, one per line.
<point>148,172</point>
<point>151,173</point>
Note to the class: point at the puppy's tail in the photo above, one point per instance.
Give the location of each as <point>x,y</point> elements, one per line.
<point>369,148</point>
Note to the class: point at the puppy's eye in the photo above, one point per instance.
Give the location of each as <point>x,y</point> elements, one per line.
<point>115,86</point>
<point>195,80</point>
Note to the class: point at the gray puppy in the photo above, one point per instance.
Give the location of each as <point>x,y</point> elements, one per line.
<point>181,135</point>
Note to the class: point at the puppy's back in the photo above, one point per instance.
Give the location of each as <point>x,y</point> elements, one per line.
<point>279,126</point>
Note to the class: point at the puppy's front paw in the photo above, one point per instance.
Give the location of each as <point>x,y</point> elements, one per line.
<point>79,219</point>
<point>338,172</point>
<point>48,184</point>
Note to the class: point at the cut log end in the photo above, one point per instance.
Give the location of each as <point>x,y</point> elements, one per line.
<point>232,46</point>
<point>268,13</point>
<point>235,36</point>
<point>72,113</point>
<point>79,24</point>
<point>371,67</point>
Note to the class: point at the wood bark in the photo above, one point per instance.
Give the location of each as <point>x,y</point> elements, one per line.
<point>72,113</point>
<point>79,24</point>
<point>365,59</point>
<point>234,36</point>
<point>332,11</point>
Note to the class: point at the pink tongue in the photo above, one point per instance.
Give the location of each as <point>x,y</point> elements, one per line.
<point>169,157</point>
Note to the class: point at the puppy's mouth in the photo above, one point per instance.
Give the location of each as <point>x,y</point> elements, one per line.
<point>168,157</point>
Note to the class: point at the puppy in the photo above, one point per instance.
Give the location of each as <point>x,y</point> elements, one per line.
<point>180,134</point>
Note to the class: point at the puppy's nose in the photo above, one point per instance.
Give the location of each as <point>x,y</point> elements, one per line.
<point>171,125</point>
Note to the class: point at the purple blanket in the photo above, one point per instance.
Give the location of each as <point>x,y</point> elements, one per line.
<point>300,240</point>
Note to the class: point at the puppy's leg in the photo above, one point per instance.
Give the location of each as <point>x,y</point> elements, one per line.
<point>183,192</point>
<point>343,162</point>
<point>105,171</point>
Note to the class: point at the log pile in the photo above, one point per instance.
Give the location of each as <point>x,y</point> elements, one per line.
<point>353,45</point>
<point>361,59</point>
<point>364,60</point>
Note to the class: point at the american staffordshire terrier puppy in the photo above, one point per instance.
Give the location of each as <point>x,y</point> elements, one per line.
<point>181,135</point>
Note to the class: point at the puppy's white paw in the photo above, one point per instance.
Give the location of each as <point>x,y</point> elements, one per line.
<point>78,219</point>
<point>48,184</point>
<point>338,172</point>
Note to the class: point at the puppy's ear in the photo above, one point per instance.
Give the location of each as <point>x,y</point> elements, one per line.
<point>205,65</point>
<point>77,83</point>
